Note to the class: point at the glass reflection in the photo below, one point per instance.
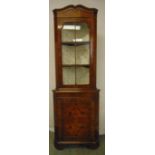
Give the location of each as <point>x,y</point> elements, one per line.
<point>68,55</point>
<point>83,33</point>
<point>69,75</point>
<point>82,75</point>
<point>82,54</point>
<point>68,32</point>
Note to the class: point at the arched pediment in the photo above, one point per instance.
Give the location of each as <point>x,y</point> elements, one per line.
<point>75,11</point>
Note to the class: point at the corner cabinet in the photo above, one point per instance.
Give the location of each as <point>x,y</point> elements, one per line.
<point>76,98</point>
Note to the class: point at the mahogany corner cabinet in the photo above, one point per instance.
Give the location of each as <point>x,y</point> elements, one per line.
<point>76,98</point>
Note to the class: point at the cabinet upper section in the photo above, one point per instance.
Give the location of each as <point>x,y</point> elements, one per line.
<point>75,11</point>
<point>75,46</point>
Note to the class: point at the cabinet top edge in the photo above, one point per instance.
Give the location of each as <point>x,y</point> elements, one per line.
<point>75,11</point>
<point>79,6</point>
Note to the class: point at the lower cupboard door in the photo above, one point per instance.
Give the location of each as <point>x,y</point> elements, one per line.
<point>77,119</point>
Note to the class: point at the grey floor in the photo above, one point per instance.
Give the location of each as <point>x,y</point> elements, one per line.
<point>76,150</point>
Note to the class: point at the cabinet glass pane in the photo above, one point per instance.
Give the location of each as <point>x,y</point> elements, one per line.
<point>75,53</point>
<point>82,33</point>
<point>82,54</point>
<point>68,55</point>
<point>82,75</point>
<point>69,75</point>
<point>68,32</point>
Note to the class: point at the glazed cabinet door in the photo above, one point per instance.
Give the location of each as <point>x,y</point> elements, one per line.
<point>75,52</point>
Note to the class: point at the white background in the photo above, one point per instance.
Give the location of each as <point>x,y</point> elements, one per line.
<point>129,77</point>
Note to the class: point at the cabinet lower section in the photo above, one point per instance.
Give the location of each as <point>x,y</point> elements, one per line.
<point>76,118</point>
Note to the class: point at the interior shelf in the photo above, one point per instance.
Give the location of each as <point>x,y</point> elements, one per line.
<point>75,43</point>
<point>75,65</point>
